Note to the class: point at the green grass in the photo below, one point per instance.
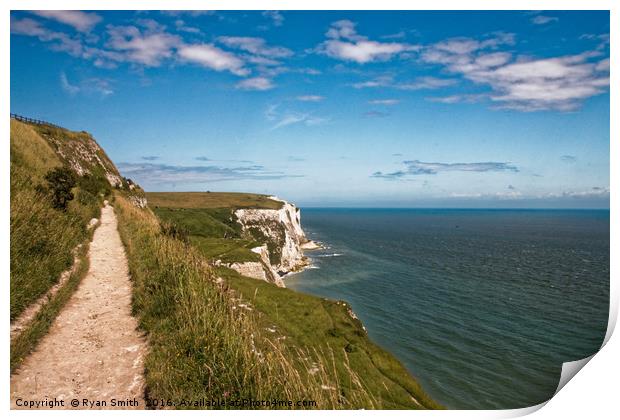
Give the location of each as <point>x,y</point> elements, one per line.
<point>211,200</point>
<point>214,231</point>
<point>209,223</point>
<point>42,238</point>
<point>310,324</point>
<point>211,226</point>
<point>226,250</point>
<point>202,345</point>
<point>317,323</point>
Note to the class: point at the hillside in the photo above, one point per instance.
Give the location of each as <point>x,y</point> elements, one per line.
<point>256,235</point>
<point>42,236</point>
<point>211,332</point>
<point>59,181</point>
<point>298,320</point>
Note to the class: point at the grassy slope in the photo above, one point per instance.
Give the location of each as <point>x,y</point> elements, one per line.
<point>42,238</point>
<point>308,322</point>
<point>213,230</point>
<point>202,345</point>
<point>317,323</point>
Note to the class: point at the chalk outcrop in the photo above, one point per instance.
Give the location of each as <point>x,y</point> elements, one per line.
<point>261,270</point>
<point>82,154</point>
<point>283,241</point>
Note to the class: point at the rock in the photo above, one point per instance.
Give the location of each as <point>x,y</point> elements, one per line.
<point>281,227</point>
<point>137,201</point>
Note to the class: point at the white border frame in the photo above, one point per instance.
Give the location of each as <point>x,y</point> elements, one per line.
<point>592,394</point>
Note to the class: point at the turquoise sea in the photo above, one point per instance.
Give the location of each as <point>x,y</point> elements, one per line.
<point>482,306</point>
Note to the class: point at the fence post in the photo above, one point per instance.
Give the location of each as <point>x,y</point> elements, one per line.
<point>33,120</point>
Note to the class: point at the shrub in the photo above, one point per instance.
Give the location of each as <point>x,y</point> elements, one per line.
<point>60,182</point>
<point>94,185</point>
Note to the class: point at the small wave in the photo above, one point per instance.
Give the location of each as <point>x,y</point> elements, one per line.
<point>312,267</point>
<point>328,255</point>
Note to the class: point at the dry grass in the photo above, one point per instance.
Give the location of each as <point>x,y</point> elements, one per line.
<point>210,200</point>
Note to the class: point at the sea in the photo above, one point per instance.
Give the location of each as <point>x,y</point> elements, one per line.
<point>481,306</point>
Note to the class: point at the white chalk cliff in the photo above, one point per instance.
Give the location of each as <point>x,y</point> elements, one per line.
<point>284,239</point>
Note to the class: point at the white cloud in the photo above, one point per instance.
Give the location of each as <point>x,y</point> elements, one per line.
<point>345,43</point>
<point>96,86</point>
<point>81,21</point>
<point>287,118</point>
<point>275,16</point>
<point>452,99</point>
<point>60,41</point>
<point>397,35</point>
<point>387,102</point>
<point>543,20</point>
<point>523,84</point>
<point>255,83</point>
<point>416,167</point>
<point>310,98</point>
<point>191,13</point>
<point>160,173</point>
<point>306,119</point>
<point>182,27</point>
<point>426,82</point>
<point>256,46</point>
<point>147,48</point>
<point>66,86</point>
<point>602,65</point>
<point>380,81</point>
<point>208,55</point>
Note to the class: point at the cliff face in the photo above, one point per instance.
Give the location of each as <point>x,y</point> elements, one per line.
<point>81,153</point>
<point>283,238</point>
<point>261,270</point>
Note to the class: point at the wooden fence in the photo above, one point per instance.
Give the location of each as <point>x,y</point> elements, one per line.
<point>33,120</point>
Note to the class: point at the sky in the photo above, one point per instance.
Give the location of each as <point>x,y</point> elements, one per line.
<point>334,108</point>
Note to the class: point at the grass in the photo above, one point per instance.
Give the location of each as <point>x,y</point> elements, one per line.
<point>26,341</point>
<point>317,323</point>
<point>72,146</point>
<point>214,231</point>
<point>311,325</point>
<point>42,238</point>
<point>211,200</point>
<point>226,250</point>
<point>202,344</point>
<point>209,223</point>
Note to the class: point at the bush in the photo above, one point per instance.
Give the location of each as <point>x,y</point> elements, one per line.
<point>60,182</point>
<point>94,185</point>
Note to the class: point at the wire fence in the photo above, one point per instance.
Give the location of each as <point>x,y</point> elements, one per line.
<point>33,120</point>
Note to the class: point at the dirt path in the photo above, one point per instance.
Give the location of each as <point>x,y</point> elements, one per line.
<point>93,349</point>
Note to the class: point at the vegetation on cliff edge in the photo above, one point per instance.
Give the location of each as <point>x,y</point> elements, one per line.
<point>298,322</point>
<point>204,343</point>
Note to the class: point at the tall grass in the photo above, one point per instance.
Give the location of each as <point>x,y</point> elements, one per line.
<point>42,238</point>
<point>202,345</point>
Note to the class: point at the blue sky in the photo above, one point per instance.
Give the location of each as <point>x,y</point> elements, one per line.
<point>405,109</point>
